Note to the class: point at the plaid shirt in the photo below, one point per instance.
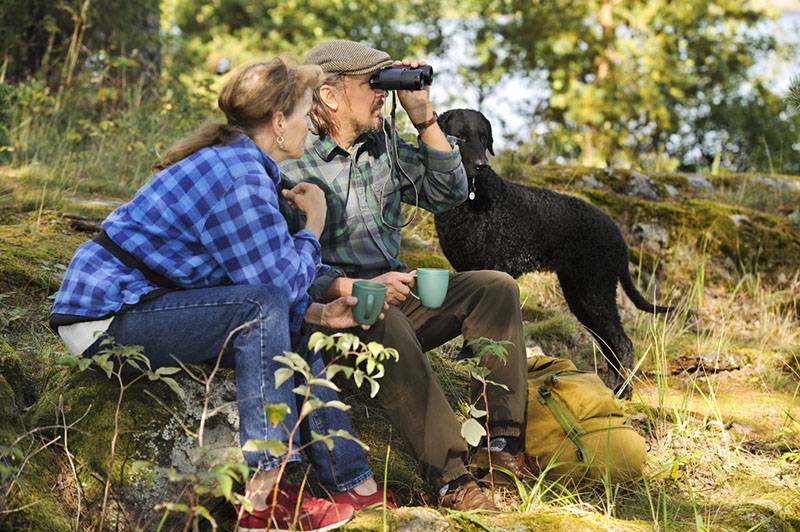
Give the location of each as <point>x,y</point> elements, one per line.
<point>355,242</point>
<point>209,219</point>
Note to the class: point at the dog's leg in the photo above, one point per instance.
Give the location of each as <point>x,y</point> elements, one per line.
<point>596,309</point>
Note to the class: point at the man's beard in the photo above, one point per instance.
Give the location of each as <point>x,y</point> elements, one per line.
<point>375,126</point>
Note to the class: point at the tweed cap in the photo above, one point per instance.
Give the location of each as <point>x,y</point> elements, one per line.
<point>347,57</point>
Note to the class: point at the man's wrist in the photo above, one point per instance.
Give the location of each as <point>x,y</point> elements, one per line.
<point>314,314</point>
<point>425,124</point>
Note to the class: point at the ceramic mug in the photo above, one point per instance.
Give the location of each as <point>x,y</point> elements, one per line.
<point>431,286</point>
<point>370,297</point>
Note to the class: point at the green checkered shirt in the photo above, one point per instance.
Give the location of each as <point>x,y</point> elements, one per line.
<point>355,242</point>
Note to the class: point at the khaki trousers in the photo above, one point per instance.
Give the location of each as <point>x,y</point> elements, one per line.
<point>478,304</point>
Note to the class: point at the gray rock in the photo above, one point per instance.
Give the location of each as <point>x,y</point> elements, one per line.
<point>419,520</point>
<point>642,186</point>
<point>794,217</point>
<point>777,183</point>
<point>672,191</point>
<point>739,219</point>
<point>590,181</point>
<point>699,183</point>
<point>651,236</point>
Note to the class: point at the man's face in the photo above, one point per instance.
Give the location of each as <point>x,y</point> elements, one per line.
<point>362,104</point>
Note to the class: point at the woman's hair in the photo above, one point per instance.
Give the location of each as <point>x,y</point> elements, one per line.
<point>321,116</point>
<point>249,99</point>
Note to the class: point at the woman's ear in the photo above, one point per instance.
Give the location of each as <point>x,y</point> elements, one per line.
<point>327,94</point>
<point>279,123</point>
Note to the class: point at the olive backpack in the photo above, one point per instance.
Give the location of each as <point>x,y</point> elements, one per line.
<point>576,428</point>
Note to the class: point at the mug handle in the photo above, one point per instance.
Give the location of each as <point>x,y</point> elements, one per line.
<point>370,300</point>
<point>412,289</point>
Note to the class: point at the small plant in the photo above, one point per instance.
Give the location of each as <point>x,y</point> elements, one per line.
<point>483,349</point>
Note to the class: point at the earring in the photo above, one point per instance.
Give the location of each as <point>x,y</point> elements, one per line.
<point>280,140</point>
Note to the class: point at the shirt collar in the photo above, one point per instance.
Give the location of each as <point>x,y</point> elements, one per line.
<point>326,147</point>
<point>261,156</point>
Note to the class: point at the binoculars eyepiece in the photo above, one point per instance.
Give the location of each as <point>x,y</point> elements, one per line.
<point>402,78</point>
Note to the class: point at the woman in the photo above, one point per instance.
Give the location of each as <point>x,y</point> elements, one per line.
<point>202,249</point>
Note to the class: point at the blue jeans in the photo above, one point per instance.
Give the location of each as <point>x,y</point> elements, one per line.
<point>193,325</point>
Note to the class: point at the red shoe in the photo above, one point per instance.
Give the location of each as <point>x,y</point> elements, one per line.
<point>313,515</point>
<point>359,502</point>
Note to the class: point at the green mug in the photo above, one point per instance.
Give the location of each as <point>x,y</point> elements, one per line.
<point>432,286</point>
<point>370,297</point>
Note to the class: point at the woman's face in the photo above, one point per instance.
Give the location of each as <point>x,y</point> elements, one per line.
<point>297,125</point>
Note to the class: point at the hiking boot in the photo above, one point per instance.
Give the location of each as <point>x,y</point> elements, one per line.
<point>516,463</point>
<point>312,514</point>
<point>359,502</point>
<point>467,496</point>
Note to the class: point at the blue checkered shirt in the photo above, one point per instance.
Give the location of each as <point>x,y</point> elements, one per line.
<point>209,219</point>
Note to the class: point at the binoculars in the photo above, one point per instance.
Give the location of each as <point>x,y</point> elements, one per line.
<point>402,78</point>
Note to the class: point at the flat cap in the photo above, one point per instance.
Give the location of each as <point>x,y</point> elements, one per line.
<point>347,57</point>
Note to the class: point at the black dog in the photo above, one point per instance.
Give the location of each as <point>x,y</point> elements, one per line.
<point>518,229</point>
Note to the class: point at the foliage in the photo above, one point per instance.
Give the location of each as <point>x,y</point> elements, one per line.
<point>36,36</point>
<point>793,97</point>
<point>625,80</point>
<point>241,28</point>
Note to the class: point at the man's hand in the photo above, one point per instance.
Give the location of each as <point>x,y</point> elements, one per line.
<point>338,314</point>
<point>416,103</point>
<point>398,286</point>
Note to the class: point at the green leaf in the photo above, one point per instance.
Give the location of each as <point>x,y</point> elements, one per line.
<point>309,406</point>
<point>174,386</point>
<point>370,365</point>
<point>327,440</point>
<point>167,370</point>
<point>325,383</point>
<point>316,341</point>
<point>140,465</point>
<point>203,511</point>
<point>472,431</point>
<point>68,361</point>
<point>476,412</point>
<point>274,447</point>
<point>341,433</point>
<point>276,412</point>
<point>358,377</point>
<point>332,370</point>
<point>282,375</point>
<point>338,405</point>
<point>374,387</point>
<point>375,348</point>
<point>84,363</point>
<point>225,484</point>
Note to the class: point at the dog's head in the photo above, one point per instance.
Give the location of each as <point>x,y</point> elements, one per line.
<point>474,134</point>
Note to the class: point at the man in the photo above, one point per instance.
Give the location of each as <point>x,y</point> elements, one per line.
<point>361,240</point>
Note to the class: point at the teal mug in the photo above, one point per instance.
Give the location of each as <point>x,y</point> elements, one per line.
<point>370,297</point>
<point>431,286</point>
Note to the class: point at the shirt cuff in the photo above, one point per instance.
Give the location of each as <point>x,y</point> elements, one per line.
<point>316,252</point>
<point>438,160</point>
<point>325,276</point>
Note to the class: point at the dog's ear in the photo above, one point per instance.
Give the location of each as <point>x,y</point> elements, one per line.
<point>490,140</point>
<point>442,120</point>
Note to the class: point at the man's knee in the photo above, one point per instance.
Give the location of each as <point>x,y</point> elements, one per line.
<point>260,302</point>
<point>500,286</point>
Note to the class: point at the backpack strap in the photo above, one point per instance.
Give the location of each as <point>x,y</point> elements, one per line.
<point>571,427</point>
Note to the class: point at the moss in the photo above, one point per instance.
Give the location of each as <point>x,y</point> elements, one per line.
<point>39,510</point>
<point>34,252</point>
<point>424,259</point>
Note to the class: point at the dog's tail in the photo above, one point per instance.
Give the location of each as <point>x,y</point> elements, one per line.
<point>636,297</point>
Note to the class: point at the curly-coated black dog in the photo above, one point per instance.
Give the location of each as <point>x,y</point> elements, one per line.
<point>518,229</point>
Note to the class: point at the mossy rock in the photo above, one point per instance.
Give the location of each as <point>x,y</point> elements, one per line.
<point>150,430</point>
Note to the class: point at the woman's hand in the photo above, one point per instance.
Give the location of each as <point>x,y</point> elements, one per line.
<point>309,199</point>
<point>338,314</point>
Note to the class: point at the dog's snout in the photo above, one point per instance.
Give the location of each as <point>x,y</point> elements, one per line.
<point>481,164</point>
